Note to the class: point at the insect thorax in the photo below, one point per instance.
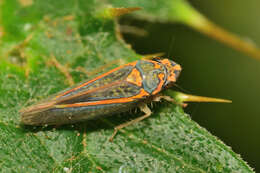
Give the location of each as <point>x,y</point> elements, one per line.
<point>153,75</point>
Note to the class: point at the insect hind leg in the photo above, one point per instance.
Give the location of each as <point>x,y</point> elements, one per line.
<point>144,108</point>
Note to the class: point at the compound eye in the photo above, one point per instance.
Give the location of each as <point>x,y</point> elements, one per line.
<point>177,73</point>
<point>173,63</point>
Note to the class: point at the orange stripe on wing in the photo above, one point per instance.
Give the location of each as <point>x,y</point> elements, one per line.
<point>99,77</point>
<point>142,94</point>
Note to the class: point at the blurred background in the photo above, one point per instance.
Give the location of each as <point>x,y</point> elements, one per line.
<point>212,69</point>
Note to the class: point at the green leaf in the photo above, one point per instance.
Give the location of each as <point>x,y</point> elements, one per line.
<point>181,11</point>
<point>78,35</point>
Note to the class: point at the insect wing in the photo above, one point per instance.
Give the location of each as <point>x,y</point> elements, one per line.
<point>115,92</point>
<point>106,94</point>
<point>115,75</point>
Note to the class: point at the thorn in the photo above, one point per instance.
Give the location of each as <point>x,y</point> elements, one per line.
<point>192,98</point>
<point>116,12</point>
<point>110,12</point>
<point>151,56</point>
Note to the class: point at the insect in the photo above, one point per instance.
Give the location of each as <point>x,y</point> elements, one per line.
<point>119,90</point>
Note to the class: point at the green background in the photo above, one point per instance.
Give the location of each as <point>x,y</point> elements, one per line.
<point>213,69</point>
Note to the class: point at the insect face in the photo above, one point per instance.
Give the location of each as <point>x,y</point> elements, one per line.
<point>173,70</point>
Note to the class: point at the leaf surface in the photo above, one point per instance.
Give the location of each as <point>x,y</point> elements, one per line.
<point>79,34</point>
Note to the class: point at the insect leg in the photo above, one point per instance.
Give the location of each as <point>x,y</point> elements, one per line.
<point>144,108</point>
